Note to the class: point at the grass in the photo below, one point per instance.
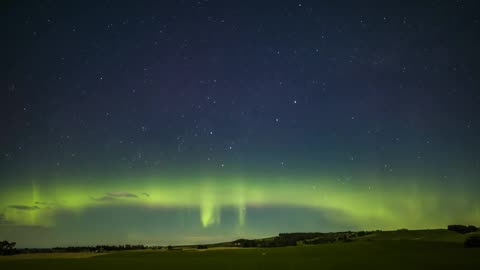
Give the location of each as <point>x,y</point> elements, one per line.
<point>53,255</point>
<point>405,250</point>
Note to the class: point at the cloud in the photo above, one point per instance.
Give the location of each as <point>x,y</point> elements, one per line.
<point>112,196</point>
<point>24,207</point>
<point>122,194</point>
<point>47,205</point>
<point>104,199</point>
<point>146,194</point>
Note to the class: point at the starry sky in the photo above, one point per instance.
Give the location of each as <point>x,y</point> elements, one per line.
<point>173,122</point>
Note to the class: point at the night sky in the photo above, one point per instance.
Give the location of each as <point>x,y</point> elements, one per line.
<point>172,122</point>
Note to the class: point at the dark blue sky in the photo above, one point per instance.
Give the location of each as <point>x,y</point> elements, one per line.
<point>366,94</point>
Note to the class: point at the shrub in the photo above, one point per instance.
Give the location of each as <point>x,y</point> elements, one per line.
<point>473,241</point>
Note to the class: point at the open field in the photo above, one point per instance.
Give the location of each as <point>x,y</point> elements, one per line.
<point>405,250</point>
<point>53,255</point>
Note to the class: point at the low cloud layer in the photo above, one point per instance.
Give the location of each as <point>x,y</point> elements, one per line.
<point>122,194</point>
<point>112,196</point>
<point>104,199</point>
<point>24,207</point>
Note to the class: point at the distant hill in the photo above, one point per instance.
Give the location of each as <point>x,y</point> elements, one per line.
<point>313,238</point>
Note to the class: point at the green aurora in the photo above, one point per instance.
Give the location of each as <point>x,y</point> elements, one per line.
<point>407,205</point>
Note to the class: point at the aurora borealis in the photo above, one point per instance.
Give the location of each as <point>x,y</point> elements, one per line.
<point>202,121</point>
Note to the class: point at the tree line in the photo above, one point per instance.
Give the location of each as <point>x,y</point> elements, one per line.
<point>294,239</point>
<point>463,229</point>
<point>8,248</point>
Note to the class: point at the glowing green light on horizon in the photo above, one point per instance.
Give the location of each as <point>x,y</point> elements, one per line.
<point>408,205</point>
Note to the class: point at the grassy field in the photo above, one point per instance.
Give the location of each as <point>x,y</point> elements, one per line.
<point>400,250</point>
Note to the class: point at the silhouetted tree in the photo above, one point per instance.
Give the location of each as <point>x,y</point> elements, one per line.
<point>472,228</point>
<point>462,228</point>
<point>7,248</point>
